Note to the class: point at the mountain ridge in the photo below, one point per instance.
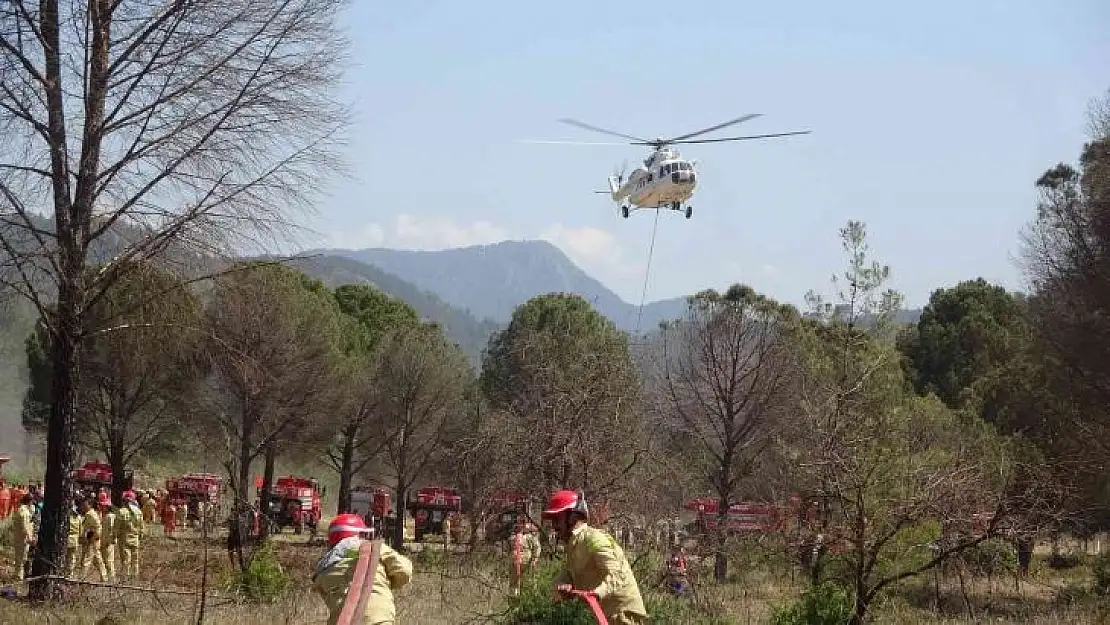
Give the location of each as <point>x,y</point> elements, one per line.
<point>491,280</point>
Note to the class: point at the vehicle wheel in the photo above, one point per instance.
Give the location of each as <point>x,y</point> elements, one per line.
<point>624,212</point>
<point>689,211</point>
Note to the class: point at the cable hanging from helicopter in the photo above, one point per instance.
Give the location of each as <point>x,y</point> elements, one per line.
<point>667,180</point>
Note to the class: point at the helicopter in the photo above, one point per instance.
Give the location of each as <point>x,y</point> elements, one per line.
<point>667,180</point>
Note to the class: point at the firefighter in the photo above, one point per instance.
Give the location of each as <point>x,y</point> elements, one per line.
<point>675,575</point>
<point>108,537</point>
<point>168,513</point>
<point>595,562</point>
<point>524,546</point>
<point>22,534</point>
<point>148,507</point>
<point>73,541</point>
<point>335,571</point>
<point>130,526</point>
<point>91,534</point>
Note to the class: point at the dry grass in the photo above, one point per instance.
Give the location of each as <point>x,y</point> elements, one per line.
<point>471,589</point>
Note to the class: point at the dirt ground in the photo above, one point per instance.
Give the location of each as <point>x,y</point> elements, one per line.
<point>471,588</point>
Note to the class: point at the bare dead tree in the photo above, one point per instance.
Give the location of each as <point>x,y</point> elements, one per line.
<point>142,125</point>
<point>421,379</point>
<point>726,368</point>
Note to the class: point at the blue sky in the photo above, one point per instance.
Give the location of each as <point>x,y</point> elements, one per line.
<point>930,123</point>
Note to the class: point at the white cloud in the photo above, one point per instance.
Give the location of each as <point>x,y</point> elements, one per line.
<point>443,232</point>
<point>370,235</point>
<point>593,249</point>
<point>418,233</point>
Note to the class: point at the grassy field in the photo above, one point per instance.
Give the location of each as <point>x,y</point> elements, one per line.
<point>471,588</point>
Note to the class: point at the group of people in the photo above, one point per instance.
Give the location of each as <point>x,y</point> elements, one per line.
<point>596,566</point>
<point>100,530</point>
<point>96,529</point>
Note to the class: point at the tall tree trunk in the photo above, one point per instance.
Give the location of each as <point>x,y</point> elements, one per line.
<point>243,512</point>
<point>66,326</point>
<point>399,526</point>
<point>267,489</point>
<point>60,455</point>
<point>346,468</point>
<point>119,478</point>
<point>720,559</point>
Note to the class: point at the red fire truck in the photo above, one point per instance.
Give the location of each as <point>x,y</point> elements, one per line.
<point>95,475</point>
<point>372,504</point>
<point>743,517</point>
<point>431,507</point>
<point>195,488</point>
<point>294,502</point>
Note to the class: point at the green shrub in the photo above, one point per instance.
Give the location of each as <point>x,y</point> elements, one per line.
<point>991,557</point>
<point>1100,568</point>
<point>264,580</point>
<point>536,603</point>
<point>825,604</point>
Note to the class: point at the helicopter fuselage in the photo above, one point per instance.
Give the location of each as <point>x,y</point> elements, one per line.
<point>666,181</point>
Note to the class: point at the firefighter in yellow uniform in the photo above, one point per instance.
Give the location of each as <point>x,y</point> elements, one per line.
<point>595,562</point>
<point>73,543</point>
<point>108,536</point>
<point>129,528</point>
<point>335,571</point>
<point>525,550</point>
<point>22,534</point>
<point>91,533</point>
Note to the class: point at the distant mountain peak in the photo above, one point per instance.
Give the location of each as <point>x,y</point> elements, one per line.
<point>490,280</point>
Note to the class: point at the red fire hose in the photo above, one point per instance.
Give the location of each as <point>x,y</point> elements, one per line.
<point>595,607</point>
<point>362,583</point>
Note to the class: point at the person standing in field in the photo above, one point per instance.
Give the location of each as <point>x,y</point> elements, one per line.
<point>335,571</point>
<point>525,550</point>
<point>22,535</point>
<point>595,562</point>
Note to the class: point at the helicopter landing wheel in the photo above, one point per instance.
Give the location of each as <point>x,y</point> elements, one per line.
<point>689,211</point>
<point>624,212</point>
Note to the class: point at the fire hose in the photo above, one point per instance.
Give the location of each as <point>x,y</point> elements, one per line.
<point>595,607</point>
<point>362,583</point>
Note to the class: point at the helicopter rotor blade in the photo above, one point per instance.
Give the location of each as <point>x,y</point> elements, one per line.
<point>575,122</point>
<point>544,142</point>
<point>745,138</point>
<point>717,127</point>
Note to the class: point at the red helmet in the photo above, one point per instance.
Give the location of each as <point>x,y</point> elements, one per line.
<point>565,501</point>
<point>345,526</point>
<point>103,499</point>
<point>129,495</point>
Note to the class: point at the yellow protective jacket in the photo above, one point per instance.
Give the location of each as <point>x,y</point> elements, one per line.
<point>22,530</point>
<point>108,537</point>
<point>596,562</point>
<point>90,524</point>
<point>129,525</point>
<point>335,570</point>
<point>73,540</point>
